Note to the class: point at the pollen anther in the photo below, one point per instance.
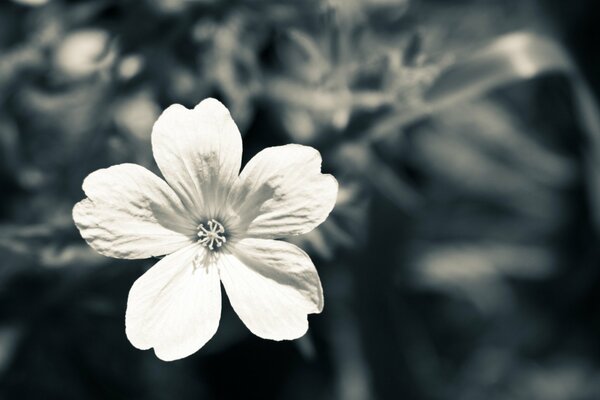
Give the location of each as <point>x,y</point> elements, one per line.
<point>212,236</point>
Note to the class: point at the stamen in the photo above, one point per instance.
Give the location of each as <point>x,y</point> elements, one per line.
<point>213,236</point>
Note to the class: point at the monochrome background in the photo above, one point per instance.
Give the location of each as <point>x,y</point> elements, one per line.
<point>462,260</point>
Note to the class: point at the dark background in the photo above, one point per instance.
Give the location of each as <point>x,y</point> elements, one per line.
<point>462,258</point>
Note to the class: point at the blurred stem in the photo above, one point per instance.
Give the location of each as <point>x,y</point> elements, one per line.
<point>384,179</point>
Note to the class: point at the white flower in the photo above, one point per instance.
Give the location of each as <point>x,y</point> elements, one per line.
<point>214,226</point>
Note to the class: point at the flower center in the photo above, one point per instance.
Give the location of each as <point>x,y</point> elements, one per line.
<point>211,236</point>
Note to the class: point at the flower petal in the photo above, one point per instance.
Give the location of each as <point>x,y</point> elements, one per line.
<point>174,307</point>
<point>282,192</point>
<point>199,153</point>
<point>272,286</point>
<point>131,213</point>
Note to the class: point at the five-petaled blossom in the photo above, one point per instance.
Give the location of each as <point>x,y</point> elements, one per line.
<point>214,224</point>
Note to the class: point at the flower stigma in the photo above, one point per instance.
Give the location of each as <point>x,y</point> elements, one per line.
<point>213,236</point>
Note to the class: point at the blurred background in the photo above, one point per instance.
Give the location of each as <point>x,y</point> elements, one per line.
<point>462,260</point>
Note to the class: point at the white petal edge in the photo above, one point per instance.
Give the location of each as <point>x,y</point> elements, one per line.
<point>131,213</point>
<point>199,153</point>
<point>272,286</point>
<point>282,192</point>
<point>174,307</point>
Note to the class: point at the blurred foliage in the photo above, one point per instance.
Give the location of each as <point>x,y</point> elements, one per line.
<point>460,261</point>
